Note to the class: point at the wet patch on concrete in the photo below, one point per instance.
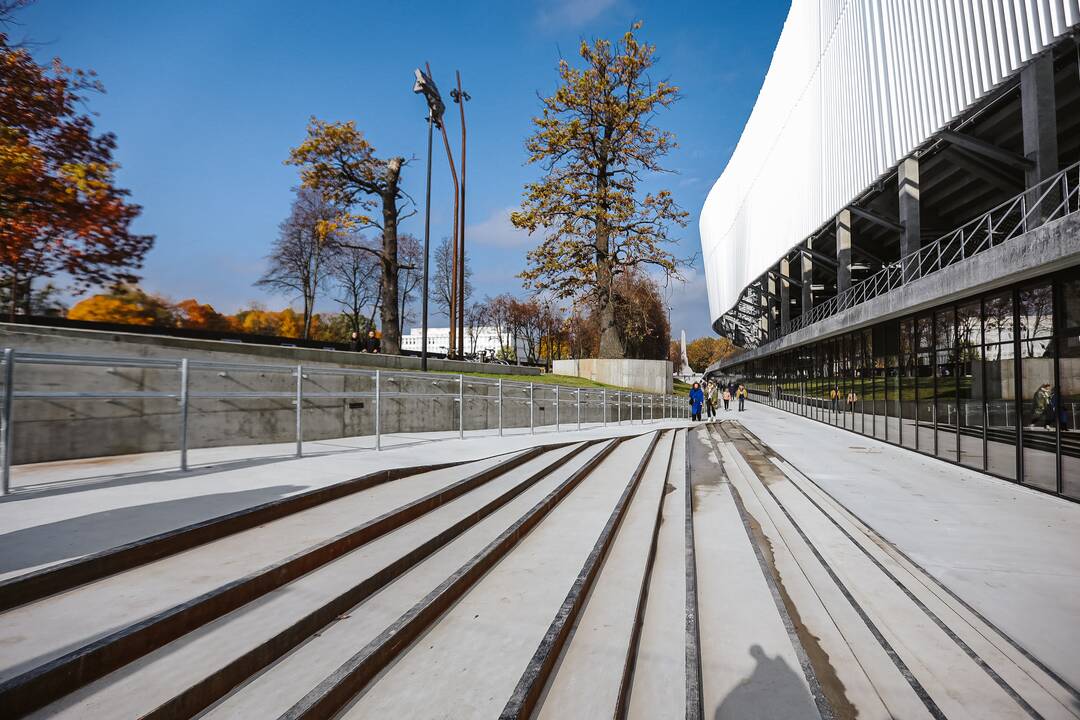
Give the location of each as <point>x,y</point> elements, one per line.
<point>820,672</point>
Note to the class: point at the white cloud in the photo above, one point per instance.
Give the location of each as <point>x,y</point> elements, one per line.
<point>571,14</point>
<point>497,231</point>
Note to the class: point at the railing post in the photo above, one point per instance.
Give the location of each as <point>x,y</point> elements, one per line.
<point>461,406</point>
<point>532,406</point>
<point>299,410</point>
<point>500,401</point>
<point>578,403</point>
<point>619,402</point>
<point>6,432</point>
<point>183,413</point>
<point>378,409</point>
<point>557,408</point>
<point>605,407</point>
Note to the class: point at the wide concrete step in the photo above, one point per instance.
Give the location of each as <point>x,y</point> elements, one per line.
<point>910,642</point>
<point>63,641</point>
<point>495,629</point>
<point>658,682</point>
<point>195,671</point>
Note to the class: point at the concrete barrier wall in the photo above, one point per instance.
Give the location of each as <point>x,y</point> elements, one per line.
<point>653,376</point>
<point>67,428</point>
<point>60,429</point>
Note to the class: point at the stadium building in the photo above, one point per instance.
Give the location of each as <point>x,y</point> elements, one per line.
<point>895,240</point>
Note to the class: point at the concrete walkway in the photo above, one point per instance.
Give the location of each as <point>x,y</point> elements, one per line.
<point>1010,552</point>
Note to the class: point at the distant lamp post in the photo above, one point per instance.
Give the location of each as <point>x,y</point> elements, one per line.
<point>461,97</point>
<point>424,84</point>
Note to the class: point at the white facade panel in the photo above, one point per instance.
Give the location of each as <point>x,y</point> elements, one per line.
<point>855,86</point>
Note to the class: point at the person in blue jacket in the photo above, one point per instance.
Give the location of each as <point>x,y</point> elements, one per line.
<point>697,399</point>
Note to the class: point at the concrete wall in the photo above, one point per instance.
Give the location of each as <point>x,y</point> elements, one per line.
<point>58,429</point>
<point>652,376</point>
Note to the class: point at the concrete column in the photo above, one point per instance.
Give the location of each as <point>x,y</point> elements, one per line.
<point>807,280</point>
<point>907,179</point>
<point>1038,112</point>
<point>770,300</point>
<point>843,251</point>
<point>785,294</point>
<point>764,308</point>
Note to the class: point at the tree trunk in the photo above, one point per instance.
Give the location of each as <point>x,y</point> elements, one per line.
<point>391,320</point>
<point>611,342</point>
<point>14,299</point>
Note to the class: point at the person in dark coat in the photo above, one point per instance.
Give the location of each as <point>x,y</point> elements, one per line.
<point>354,341</point>
<point>372,344</point>
<point>697,399</point>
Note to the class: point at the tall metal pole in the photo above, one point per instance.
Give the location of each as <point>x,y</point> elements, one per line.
<point>532,427</point>
<point>378,410</point>
<point>500,408</point>
<point>460,98</point>
<point>299,410</point>
<point>7,418</point>
<point>454,310</point>
<point>557,402</point>
<point>461,405</point>
<point>427,246</point>
<point>183,413</point>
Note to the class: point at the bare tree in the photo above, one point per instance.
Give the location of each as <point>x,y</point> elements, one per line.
<point>355,273</point>
<point>477,317</point>
<point>301,257</point>
<point>499,317</point>
<point>336,159</point>
<point>410,264</point>
<point>444,274</point>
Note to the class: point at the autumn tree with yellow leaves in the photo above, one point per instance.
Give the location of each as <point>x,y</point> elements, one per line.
<point>60,210</point>
<point>596,142</point>
<point>337,160</point>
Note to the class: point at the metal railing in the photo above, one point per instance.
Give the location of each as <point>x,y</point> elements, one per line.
<point>1053,198</point>
<point>381,385</point>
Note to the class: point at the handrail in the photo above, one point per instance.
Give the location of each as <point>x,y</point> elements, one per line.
<point>457,387</point>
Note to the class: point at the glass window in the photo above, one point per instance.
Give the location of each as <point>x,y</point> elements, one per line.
<point>970,411</point>
<point>924,332</point>
<point>944,330</point>
<point>1037,404</point>
<point>925,404</point>
<point>998,318</point>
<point>1036,306</point>
<point>968,327</point>
<point>1066,398</point>
<point>1001,418</point>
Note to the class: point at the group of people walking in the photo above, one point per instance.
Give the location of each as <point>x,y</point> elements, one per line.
<point>708,397</point>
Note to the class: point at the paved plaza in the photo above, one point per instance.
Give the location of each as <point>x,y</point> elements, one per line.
<point>761,566</point>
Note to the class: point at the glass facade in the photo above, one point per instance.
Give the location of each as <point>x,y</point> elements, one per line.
<point>990,382</point>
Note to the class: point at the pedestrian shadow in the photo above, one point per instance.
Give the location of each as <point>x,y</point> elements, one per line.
<point>78,536</point>
<point>773,691</point>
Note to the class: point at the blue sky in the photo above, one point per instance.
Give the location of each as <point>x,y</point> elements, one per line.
<point>206,98</point>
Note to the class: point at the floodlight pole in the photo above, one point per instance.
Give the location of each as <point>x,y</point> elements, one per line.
<point>425,85</point>
<point>427,247</point>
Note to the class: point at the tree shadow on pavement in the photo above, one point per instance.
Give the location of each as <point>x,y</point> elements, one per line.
<point>773,691</point>
<point>78,536</point>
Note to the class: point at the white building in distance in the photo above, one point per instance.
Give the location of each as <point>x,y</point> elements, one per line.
<point>487,340</point>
